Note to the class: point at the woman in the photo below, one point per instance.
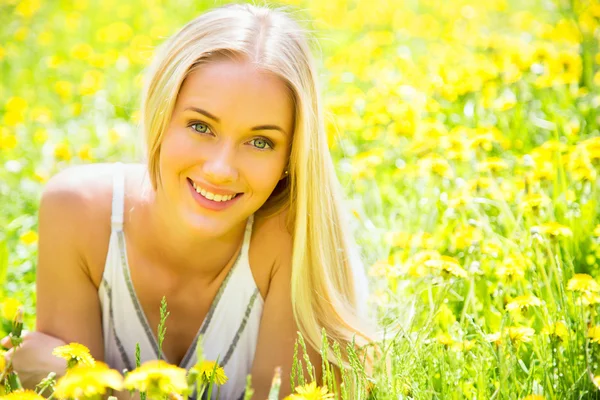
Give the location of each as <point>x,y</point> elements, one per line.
<point>236,217</point>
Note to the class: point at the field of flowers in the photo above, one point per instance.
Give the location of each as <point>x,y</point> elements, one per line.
<point>466,135</point>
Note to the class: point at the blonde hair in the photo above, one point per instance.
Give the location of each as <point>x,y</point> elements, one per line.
<point>328,280</point>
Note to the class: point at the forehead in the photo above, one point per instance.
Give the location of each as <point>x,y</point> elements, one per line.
<point>237,89</point>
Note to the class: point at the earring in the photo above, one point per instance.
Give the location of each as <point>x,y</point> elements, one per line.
<point>286,172</point>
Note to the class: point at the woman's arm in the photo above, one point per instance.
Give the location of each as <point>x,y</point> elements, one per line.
<point>68,308</point>
<point>278,329</point>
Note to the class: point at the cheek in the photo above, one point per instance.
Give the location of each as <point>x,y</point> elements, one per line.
<point>263,173</point>
<point>176,147</point>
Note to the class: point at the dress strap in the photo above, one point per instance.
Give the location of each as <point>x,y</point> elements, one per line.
<point>247,234</point>
<point>118,198</point>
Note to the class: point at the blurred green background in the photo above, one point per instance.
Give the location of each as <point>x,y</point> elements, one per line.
<point>465,136</point>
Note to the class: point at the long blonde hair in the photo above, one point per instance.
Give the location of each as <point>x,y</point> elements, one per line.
<point>328,281</point>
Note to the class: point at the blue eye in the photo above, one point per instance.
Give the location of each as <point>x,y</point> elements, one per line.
<point>200,124</point>
<point>261,143</point>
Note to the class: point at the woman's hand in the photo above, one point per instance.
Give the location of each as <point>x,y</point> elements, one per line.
<point>32,360</point>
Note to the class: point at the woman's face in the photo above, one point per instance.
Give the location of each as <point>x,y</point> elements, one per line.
<point>229,135</point>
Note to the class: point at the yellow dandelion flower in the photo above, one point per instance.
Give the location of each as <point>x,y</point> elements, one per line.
<point>594,334</point>
<point>447,264</point>
<point>10,308</point>
<point>588,299</point>
<point>62,152</point>
<point>76,355</point>
<point>583,283</point>
<point>465,345</point>
<point>521,303</point>
<point>310,392</point>
<point>597,381</point>
<point>87,381</point>
<point>210,372</point>
<point>2,361</point>
<point>492,164</point>
<point>495,338</point>
<point>30,237</point>
<point>85,153</point>
<point>511,270</point>
<point>554,229</point>
<point>558,330</point>
<point>534,397</point>
<point>436,165</point>
<point>91,82</point>
<point>444,339</point>
<point>465,235</point>
<point>520,334</point>
<point>157,378</point>
<point>22,395</point>
<point>533,202</point>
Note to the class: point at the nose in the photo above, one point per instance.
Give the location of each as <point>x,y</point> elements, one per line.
<point>219,165</point>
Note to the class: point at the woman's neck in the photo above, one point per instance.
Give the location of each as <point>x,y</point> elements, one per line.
<point>167,241</point>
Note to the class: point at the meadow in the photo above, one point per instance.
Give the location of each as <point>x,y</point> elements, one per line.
<point>466,137</point>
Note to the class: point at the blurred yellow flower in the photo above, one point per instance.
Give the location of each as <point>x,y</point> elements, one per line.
<point>27,8</point>
<point>521,303</point>
<point>534,397</point>
<point>534,202</point>
<point>210,372</point>
<point>583,283</point>
<point>465,236</point>
<point>85,153</point>
<point>492,164</point>
<point>62,152</point>
<point>437,165</point>
<point>8,140</point>
<point>588,299</point>
<point>16,104</point>
<point>520,334</point>
<point>554,229</point>
<point>76,354</point>
<point>594,334</point>
<point>558,330</point>
<point>40,136</point>
<point>10,308</point>
<point>447,264</point>
<point>113,136</point>
<point>157,378</point>
<point>64,89</point>
<point>445,339</point>
<point>310,392</point>
<point>465,345</point>
<point>495,338</point>
<point>91,82</point>
<point>380,269</point>
<point>597,381</point>
<point>87,381</point>
<point>28,238</point>
<point>22,395</point>
<point>82,51</point>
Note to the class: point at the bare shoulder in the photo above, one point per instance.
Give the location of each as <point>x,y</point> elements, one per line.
<point>80,198</point>
<point>271,247</point>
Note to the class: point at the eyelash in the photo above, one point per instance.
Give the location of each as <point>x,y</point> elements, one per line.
<point>267,141</point>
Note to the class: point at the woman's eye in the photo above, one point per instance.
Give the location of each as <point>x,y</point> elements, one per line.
<point>261,143</point>
<point>205,130</point>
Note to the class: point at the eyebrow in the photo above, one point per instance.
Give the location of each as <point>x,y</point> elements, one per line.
<point>256,128</point>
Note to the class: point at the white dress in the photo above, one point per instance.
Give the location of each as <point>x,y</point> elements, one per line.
<point>230,329</point>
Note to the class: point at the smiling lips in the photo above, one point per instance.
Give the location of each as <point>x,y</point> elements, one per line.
<point>212,196</point>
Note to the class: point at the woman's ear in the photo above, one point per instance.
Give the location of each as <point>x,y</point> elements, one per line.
<point>284,174</point>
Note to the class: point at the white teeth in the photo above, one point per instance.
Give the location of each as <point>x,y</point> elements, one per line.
<point>211,196</point>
